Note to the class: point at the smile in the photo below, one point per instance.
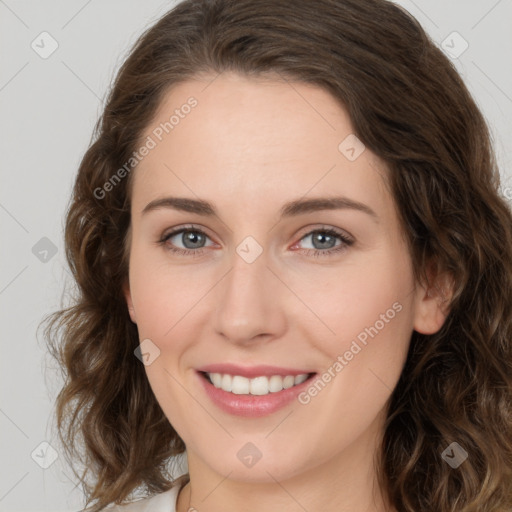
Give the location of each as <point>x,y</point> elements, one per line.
<point>259,392</point>
<point>262,385</point>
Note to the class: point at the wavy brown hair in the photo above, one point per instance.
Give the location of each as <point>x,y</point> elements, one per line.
<point>410,107</point>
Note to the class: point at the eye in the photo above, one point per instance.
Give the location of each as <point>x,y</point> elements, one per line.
<point>193,238</point>
<point>324,242</point>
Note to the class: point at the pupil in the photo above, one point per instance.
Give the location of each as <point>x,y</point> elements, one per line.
<point>193,237</point>
<point>322,238</point>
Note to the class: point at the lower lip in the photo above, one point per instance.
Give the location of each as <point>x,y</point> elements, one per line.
<point>252,405</point>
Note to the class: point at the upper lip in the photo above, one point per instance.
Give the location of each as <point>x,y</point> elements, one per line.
<point>251,371</point>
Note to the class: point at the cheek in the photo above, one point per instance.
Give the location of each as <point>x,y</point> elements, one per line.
<point>161,293</point>
<point>372,320</point>
<point>370,310</point>
<point>373,293</point>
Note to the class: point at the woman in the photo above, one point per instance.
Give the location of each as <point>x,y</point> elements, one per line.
<point>294,263</point>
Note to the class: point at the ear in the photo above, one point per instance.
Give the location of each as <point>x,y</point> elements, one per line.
<point>128,298</point>
<point>432,301</point>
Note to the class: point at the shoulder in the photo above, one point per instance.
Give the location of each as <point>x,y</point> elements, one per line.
<point>163,502</point>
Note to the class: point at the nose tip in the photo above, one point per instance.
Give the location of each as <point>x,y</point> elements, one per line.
<point>248,306</point>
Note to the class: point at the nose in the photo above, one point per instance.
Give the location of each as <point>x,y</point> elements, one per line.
<point>250,302</point>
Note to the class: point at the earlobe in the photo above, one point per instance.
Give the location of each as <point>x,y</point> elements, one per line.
<point>433,304</point>
<point>129,303</point>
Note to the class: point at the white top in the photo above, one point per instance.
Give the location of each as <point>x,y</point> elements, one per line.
<point>163,502</point>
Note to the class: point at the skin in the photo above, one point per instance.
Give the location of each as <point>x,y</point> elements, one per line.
<point>249,146</point>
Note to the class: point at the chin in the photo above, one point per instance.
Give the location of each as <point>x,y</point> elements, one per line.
<point>262,468</point>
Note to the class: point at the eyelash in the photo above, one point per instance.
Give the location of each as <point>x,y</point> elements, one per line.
<point>346,242</point>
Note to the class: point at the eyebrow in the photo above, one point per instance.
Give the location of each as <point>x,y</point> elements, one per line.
<point>289,209</point>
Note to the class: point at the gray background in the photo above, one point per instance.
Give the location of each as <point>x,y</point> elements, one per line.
<point>48,109</point>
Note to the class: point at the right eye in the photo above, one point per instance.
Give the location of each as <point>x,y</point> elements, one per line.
<point>187,236</point>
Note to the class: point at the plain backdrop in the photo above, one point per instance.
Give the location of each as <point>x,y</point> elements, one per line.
<point>49,105</point>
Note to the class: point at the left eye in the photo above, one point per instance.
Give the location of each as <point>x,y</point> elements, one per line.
<point>325,238</point>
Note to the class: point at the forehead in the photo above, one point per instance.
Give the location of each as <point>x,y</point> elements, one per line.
<point>256,142</point>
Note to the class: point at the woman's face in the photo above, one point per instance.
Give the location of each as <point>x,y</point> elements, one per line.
<point>275,281</point>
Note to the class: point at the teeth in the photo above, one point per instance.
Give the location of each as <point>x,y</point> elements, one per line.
<point>239,385</point>
<point>226,382</point>
<point>258,386</point>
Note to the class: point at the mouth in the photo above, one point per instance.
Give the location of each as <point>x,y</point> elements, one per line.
<point>260,392</point>
<point>259,386</point>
